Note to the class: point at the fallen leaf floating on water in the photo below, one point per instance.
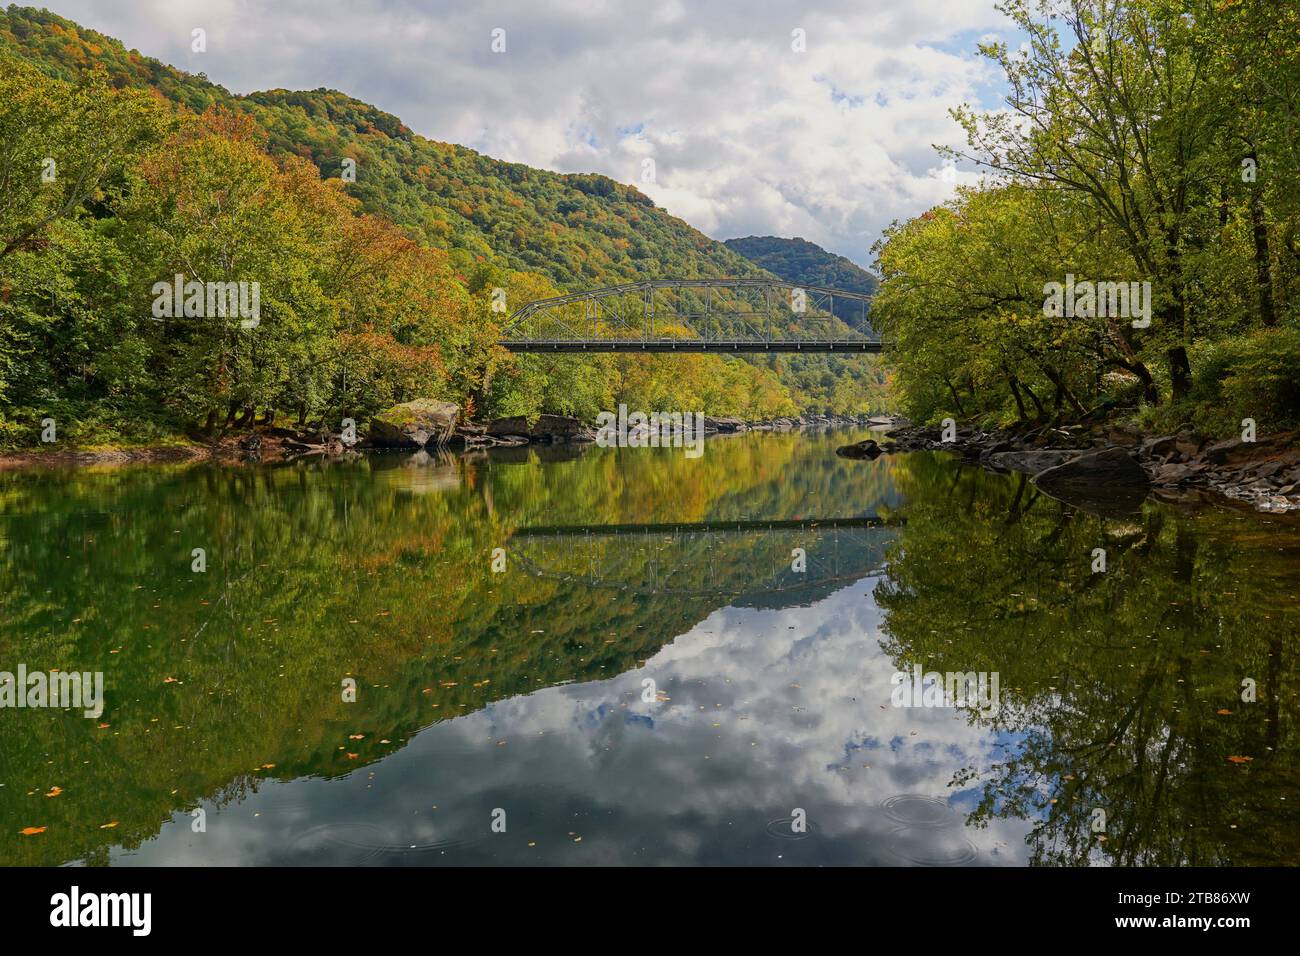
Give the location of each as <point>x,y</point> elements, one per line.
<point>31,831</point>
<point>1241,759</point>
<point>1223,712</point>
<point>54,791</point>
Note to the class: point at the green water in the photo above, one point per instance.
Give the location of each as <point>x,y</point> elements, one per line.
<point>648,679</point>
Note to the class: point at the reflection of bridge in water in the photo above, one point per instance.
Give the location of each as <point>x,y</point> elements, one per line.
<point>708,558</point>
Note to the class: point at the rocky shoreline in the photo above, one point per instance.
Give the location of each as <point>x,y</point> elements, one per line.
<point>1117,464</point>
<point>414,426</point>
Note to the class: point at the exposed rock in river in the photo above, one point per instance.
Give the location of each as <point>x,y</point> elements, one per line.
<point>863,449</point>
<point>414,424</point>
<point>1107,469</point>
<point>1030,462</point>
<point>547,427</point>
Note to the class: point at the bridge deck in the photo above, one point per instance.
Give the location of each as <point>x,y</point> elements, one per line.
<point>689,345</point>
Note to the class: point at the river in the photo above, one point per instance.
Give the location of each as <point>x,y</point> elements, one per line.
<point>596,656</point>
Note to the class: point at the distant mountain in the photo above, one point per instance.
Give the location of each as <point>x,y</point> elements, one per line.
<point>798,260</point>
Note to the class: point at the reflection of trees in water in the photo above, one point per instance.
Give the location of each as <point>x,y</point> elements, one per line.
<point>1112,683</point>
<point>751,563</point>
<point>377,568</point>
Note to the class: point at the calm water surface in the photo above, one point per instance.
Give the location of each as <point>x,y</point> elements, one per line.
<point>521,696</point>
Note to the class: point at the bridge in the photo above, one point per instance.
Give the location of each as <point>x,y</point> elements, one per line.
<point>695,315</point>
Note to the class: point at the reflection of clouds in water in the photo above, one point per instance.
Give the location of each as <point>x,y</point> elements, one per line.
<point>801,701</point>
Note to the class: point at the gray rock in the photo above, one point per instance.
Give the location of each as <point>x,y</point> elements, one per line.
<point>516,425</point>
<point>1111,468</point>
<point>1158,447</point>
<point>1033,462</point>
<point>1172,474</point>
<point>727,425</point>
<point>414,424</point>
<point>555,426</point>
<point>867,449</point>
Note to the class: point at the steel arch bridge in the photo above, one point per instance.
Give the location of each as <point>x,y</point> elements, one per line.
<point>695,315</point>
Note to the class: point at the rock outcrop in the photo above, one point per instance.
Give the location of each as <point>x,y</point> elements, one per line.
<point>414,424</point>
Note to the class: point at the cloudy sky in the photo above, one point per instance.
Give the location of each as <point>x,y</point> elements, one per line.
<point>747,135</point>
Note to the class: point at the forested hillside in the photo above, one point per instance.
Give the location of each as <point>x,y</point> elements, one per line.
<point>375,287</point>
<point>806,263</point>
<point>798,260</point>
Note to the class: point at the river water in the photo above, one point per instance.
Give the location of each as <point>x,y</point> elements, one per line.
<point>595,656</point>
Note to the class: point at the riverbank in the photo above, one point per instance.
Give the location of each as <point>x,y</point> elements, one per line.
<point>276,444</point>
<point>1116,464</point>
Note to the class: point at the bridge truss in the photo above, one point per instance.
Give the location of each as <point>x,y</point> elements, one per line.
<point>695,315</point>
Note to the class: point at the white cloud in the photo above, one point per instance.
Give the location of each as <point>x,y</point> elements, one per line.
<point>747,135</point>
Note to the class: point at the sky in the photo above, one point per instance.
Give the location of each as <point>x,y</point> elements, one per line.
<point>745,133</point>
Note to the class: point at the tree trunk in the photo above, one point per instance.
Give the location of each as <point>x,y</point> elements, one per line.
<point>1015,393</point>
<point>1180,372</point>
<point>955,397</point>
<point>1263,264</point>
<point>1063,390</point>
<point>1042,412</point>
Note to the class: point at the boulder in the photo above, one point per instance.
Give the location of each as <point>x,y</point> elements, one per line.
<point>725,425</point>
<point>1158,447</point>
<point>1173,474</point>
<point>414,424</point>
<point>1110,468</point>
<point>515,425</point>
<point>547,428</point>
<point>1032,462</point>
<point>1189,444</point>
<point>555,427</point>
<point>864,449</point>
